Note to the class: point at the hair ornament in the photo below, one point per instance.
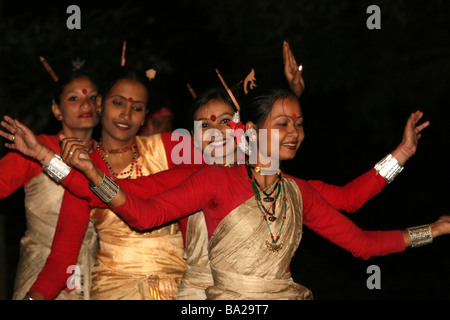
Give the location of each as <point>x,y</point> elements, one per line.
<point>151,74</point>
<point>77,64</point>
<point>124,48</point>
<point>191,91</point>
<point>250,78</point>
<point>49,69</point>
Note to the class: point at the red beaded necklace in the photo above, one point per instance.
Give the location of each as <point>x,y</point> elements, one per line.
<point>134,162</point>
<point>115,151</point>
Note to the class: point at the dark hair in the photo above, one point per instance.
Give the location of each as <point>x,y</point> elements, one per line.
<point>67,78</point>
<point>127,73</point>
<point>205,97</point>
<point>257,105</point>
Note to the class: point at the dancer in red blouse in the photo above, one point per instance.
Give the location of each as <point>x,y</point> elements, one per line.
<point>250,252</point>
<point>215,102</point>
<point>74,106</point>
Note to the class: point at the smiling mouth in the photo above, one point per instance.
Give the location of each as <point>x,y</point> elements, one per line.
<point>290,145</point>
<point>122,126</point>
<point>218,144</point>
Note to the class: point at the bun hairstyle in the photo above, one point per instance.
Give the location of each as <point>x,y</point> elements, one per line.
<point>257,104</point>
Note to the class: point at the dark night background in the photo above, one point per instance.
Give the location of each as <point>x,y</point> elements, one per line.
<point>361,85</point>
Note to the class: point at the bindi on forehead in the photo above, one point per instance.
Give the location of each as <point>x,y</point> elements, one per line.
<point>84,91</point>
<point>130,99</point>
<point>213,117</point>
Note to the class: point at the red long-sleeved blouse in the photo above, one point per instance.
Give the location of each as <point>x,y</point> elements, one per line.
<point>18,170</point>
<point>218,190</point>
<point>74,214</point>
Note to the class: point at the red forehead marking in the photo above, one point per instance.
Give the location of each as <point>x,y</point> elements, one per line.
<point>213,118</point>
<point>84,91</point>
<point>294,116</point>
<point>130,99</point>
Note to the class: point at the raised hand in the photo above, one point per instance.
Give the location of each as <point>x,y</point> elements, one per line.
<point>292,71</point>
<point>21,137</point>
<point>411,135</point>
<point>412,132</point>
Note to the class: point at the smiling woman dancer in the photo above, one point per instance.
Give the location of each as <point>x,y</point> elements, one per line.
<point>274,236</point>
<point>130,264</point>
<point>214,110</point>
<point>251,242</point>
<point>73,105</point>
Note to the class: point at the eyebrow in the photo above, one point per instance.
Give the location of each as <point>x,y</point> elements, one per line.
<point>73,91</point>
<point>290,117</point>
<point>225,113</point>
<point>118,95</point>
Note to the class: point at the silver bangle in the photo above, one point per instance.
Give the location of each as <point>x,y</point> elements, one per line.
<point>106,190</point>
<point>57,169</point>
<point>420,235</point>
<point>388,168</point>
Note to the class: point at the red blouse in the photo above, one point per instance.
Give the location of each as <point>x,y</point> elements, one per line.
<point>18,170</point>
<point>75,210</point>
<point>218,190</point>
<point>72,223</point>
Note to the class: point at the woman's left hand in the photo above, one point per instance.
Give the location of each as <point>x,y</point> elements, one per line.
<point>292,71</point>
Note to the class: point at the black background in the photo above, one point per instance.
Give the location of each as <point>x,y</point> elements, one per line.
<point>361,85</point>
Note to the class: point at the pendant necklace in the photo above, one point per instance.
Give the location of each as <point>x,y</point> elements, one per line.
<point>273,245</point>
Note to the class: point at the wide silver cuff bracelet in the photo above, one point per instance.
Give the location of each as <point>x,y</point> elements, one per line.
<point>57,169</point>
<point>420,235</point>
<point>106,190</point>
<point>388,168</point>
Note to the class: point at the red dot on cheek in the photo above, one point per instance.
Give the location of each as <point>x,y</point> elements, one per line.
<point>213,118</point>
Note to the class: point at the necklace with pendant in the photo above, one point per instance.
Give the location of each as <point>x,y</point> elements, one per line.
<point>272,245</point>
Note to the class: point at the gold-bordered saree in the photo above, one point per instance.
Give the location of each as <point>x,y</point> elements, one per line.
<point>134,265</point>
<point>242,266</point>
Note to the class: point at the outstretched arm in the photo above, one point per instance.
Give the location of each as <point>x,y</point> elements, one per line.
<point>332,225</point>
<point>357,192</point>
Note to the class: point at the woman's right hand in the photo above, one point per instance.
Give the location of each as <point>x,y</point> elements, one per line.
<point>75,153</point>
<point>21,137</point>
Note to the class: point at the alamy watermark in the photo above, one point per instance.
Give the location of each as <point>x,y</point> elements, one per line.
<point>374,280</point>
<point>220,147</point>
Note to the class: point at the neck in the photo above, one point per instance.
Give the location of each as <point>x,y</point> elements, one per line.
<point>265,170</point>
<point>83,134</point>
<point>111,143</point>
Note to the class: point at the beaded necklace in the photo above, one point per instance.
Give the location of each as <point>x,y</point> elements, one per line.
<point>115,151</point>
<point>272,246</point>
<point>134,162</point>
